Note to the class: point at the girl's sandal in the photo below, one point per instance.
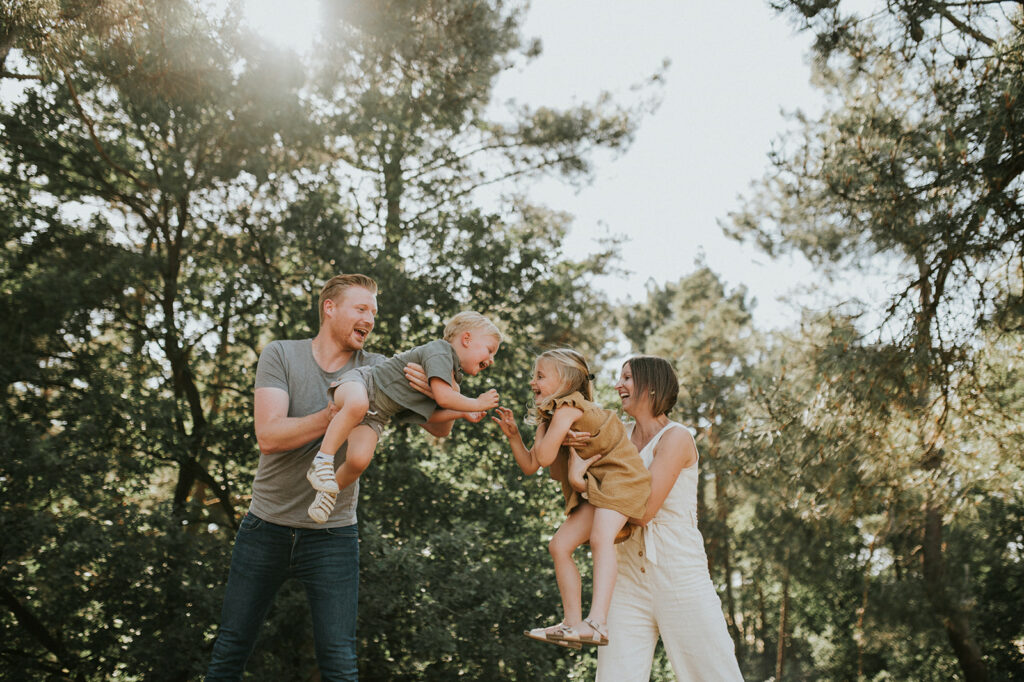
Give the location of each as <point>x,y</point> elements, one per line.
<point>554,635</point>
<point>598,638</point>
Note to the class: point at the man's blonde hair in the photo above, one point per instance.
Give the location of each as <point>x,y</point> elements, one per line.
<point>338,285</point>
<point>470,320</point>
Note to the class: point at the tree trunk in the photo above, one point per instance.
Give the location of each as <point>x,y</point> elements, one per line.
<point>762,634</point>
<point>952,615</point>
<point>780,656</point>
<point>393,189</point>
<point>954,618</point>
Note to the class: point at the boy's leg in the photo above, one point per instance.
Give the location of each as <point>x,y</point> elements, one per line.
<point>351,399</point>
<point>361,443</point>
<point>606,523</point>
<point>568,537</point>
<point>259,564</point>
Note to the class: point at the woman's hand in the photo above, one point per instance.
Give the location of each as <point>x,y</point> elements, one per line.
<point>506,421</point>
<point>577,439</point>
<point>578,469</point>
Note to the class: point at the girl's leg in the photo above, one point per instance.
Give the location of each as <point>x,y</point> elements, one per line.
<point>352,402</point>
<point>361,443</point>
<point>606,523</point>
<point>568,537</point>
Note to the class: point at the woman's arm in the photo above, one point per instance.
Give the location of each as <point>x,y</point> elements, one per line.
<point>578,469</point>
<point>674,452</point>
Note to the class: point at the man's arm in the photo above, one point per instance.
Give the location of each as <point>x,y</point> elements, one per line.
<point>276,432</point>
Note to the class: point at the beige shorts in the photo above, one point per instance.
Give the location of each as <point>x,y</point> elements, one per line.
<point>381,407</point>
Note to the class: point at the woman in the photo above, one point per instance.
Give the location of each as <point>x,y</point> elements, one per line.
<point>663,586</point>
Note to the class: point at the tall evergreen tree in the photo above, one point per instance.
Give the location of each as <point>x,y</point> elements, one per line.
<point>916,165</point>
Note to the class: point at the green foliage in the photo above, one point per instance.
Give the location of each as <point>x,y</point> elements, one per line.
<point>915,168</point>
<point>173,196</point>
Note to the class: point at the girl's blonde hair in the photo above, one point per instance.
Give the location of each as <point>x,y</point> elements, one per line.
<point>575,376</point>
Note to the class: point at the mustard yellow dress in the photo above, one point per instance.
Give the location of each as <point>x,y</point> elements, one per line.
<point>619,480</point>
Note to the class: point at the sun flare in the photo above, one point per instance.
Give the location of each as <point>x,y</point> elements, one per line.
<point>291,24</point>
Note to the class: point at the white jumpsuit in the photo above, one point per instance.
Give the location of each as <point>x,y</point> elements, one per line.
<point>663,589</point>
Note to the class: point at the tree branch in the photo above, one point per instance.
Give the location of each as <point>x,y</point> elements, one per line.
<point>95,140</point>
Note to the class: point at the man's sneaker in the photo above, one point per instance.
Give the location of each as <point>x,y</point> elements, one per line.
<point>321,477</point>
<point>322,507</point>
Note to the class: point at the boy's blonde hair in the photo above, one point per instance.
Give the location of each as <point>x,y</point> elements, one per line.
<point>337,285</point>
<point>470,320</point>
<point>575,376</point>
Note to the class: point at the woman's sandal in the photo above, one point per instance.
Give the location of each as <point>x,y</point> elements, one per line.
<point>553,635</point>
<point>571,635</point>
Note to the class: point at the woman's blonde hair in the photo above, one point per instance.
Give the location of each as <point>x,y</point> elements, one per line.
<point>575,376</point>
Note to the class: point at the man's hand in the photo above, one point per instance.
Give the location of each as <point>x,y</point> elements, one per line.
<point>417,379</point>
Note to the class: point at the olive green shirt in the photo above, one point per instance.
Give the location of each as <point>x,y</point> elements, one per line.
<point>438,359</point>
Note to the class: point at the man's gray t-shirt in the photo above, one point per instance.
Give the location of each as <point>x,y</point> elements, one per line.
<point>438,359</point>
<point>280,492</point>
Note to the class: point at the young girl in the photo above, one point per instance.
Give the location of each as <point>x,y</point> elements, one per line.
<point>617,487</point>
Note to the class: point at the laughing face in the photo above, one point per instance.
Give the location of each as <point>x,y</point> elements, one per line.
<point>626,390</point>
<point>476,351</point>
<point>546,380</point>
<point>350,317</point>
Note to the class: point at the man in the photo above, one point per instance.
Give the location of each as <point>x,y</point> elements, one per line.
<point>276,539</point>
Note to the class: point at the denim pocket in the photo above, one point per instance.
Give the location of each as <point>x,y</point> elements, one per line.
<point>250,522</point>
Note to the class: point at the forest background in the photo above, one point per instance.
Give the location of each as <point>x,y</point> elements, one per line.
<point>175,191</point>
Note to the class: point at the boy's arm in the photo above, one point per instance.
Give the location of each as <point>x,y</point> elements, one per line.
<point>417,378</point>
<point>448,398</point>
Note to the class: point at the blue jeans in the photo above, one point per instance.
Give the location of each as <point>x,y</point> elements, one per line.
<point>324,560</point>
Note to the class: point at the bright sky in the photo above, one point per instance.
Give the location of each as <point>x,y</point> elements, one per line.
<point>732,73</point>
<point>734,68</point>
